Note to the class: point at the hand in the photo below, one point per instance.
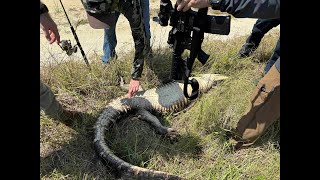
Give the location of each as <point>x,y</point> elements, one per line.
<point>185,5</point>
<point>49,28</point>
<point>133,87</point>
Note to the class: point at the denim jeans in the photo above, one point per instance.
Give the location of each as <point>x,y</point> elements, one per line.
<point>273,58</point>
<point>110,39</point>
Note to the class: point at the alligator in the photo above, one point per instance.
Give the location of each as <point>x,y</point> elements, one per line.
<point>166,98</point>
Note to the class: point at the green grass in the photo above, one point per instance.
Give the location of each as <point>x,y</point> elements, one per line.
<point>202,151</point>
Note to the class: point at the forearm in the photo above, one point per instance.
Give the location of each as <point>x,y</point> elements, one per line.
<point>134,16</point>
<point>48,26</point>
<point>137,68</point>
<point>263,9</point>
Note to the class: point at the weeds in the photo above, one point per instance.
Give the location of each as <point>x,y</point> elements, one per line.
<point>202,151</point>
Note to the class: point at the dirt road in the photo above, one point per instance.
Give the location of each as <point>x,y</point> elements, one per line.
<point>92,39</point>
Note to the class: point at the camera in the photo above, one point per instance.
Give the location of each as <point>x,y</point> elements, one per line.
<point>165,12</point>
<point>187,33</point>
<point>184,20</point>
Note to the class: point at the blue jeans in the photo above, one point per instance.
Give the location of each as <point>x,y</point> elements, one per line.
<point>273,58</point>
<point>110,39</point>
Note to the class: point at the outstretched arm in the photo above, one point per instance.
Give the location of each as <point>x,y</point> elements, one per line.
<point>48,26</point>
<point>263,9</point>
<point>133,13</point>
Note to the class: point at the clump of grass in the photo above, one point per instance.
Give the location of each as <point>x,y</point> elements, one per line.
<point>202,151</point>
<point>57,7</point>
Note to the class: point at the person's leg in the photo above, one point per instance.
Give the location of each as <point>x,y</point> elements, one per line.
<point>48,102</point>
<point>110,42</point>
<point>146,19</point>
<point>53,108</point>
<point>264,109</point>
<point>273,58</point>
<point>260,28</point>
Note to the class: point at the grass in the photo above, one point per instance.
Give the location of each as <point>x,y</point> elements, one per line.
<point>202,151</point>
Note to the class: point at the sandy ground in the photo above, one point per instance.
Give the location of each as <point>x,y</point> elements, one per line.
<point>92,39</point>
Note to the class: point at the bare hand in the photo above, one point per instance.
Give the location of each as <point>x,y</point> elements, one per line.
<point>133,87</point>
<point>49,28</point>
<point>185,5</point>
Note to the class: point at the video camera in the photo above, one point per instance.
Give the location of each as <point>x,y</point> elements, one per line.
<point>187,32</point>
<point>213,24</point>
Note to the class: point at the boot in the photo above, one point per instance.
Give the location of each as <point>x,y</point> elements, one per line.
<point>247,49</point>
<point>264,109</point>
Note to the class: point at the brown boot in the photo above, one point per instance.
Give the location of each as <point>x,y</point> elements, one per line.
<point>263,111</point>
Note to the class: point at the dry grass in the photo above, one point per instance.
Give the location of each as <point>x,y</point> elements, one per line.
<point>202,152</point>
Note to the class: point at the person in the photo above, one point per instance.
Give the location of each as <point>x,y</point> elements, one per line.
<point>48,102</point>
<point>274,57</point>
<point>110,38</point>
<point>264,9</point>
<point>264,108</point>
<point>101,15</point>
<point>260,28</point>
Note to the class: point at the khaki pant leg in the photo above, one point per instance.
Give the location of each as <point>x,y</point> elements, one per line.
<point>48,101</point>
<point>264,110</point>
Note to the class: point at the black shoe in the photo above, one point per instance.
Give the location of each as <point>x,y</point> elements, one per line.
<point>247,49</point>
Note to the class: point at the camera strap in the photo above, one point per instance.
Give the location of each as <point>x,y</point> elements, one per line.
<point>199,23</point>
<point>194,85</point>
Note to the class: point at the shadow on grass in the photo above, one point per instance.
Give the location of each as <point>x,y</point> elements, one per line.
<point>262,57</point>
<point>160,64</point>
<point>76,159</point>
<point>136,142</point>
<point>131,139</point>
<point>271,135</point>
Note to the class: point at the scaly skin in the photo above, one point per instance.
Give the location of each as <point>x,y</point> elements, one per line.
<point>168,98</point>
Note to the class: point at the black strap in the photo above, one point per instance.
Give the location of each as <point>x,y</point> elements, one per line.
<point>196,42</point>
<point>194,85</point>
<point>195,88</point>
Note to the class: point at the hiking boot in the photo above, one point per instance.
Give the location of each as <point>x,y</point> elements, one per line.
<point>247,49</point>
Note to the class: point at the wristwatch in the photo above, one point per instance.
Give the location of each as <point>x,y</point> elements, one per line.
<point>215,4</point>
<point>43,9</point>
